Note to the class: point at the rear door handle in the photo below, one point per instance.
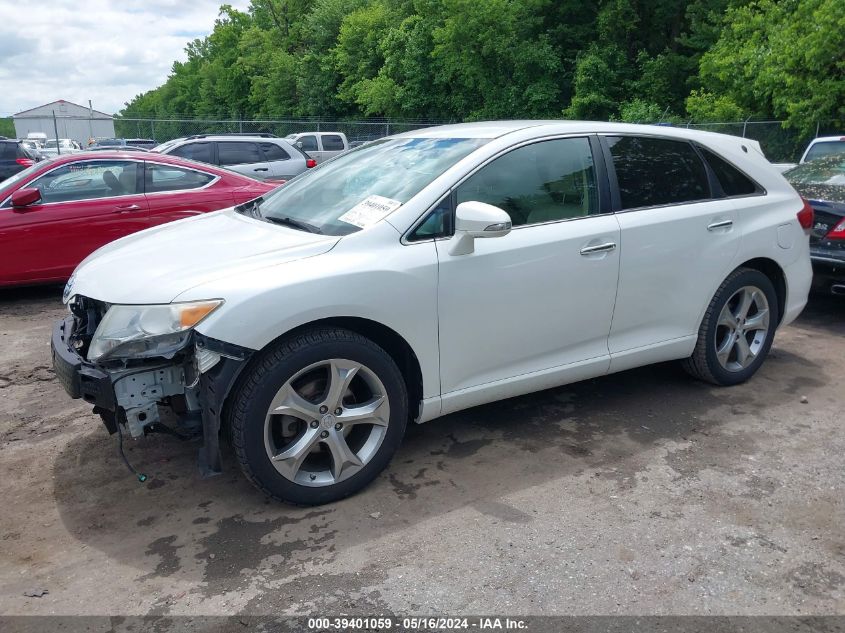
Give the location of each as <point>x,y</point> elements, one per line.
<point>599,248</point>
<point>127,208</point>
<point>723,224</point>
<point>261,169</point>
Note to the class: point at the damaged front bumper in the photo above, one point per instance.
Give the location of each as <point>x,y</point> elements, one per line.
<point>194,383</point>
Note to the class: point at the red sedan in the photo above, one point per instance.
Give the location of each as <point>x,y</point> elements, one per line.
<point>57,212</point>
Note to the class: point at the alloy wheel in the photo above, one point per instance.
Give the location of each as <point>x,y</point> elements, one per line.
<point>742,328</point>
<point>326,422</point>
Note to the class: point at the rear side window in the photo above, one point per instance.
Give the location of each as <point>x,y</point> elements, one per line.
<point>195,151</point>
<point>733,181</point>
<point>332,142</point>
<point>8,151</point>
<point>273,152</point>
<point>238,153</point>
<point>172,178</point>
<point>653,171</point>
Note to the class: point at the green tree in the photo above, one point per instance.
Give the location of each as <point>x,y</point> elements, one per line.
<point>782,59</point>
<point>492,59</point>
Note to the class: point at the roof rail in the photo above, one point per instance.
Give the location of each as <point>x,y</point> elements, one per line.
<point>258,134</point>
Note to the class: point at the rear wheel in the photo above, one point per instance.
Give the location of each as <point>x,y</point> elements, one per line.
<point>737,331</point>
<point>319,416</point>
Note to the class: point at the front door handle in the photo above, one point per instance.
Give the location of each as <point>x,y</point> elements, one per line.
<point>261,169</point>
<point>127,208</point>
<point>723,224</point>
<point>599,248</point>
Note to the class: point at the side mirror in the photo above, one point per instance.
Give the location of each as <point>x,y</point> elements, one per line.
<point>299,144</point>
<point>476,220</point>
<point>25,197</point>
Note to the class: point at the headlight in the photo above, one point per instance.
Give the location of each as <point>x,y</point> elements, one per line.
<point>143,331</point>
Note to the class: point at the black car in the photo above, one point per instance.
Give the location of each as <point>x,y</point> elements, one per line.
<point>14,157</point>
<point>822,182</point>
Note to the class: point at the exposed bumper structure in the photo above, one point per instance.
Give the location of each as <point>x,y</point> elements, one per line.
<point>194,383</point>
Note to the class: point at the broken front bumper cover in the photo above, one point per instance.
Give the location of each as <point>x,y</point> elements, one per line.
<point>203,373</point>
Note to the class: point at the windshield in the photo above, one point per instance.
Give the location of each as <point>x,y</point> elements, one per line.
<point>111,142</point>
<point>825,148</point>
<point>822,179</point>
<point>366,184</point>
<point>63,142</point>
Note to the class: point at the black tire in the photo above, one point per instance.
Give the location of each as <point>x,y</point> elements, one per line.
<point>270,370</point>
<point>704,363</point>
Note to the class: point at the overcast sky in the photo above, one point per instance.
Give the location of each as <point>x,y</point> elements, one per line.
<point>101,50</point>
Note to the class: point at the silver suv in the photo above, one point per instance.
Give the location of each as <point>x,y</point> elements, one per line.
<point>260,156</point>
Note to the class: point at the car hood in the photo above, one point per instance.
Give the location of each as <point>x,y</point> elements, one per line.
<point>156,265</point>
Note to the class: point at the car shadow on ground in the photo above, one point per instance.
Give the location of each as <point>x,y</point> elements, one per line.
<point>209,531</point>
<point>824,314</point>
<point>49,292</point>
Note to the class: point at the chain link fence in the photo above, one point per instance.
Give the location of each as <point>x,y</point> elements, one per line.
<point>356,131</point>
<point>780,144</point>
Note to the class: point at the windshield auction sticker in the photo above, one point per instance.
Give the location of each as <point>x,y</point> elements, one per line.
<point>369,211</point>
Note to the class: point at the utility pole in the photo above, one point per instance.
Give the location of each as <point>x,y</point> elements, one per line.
<point>56,130</point>
<point>90,120</point>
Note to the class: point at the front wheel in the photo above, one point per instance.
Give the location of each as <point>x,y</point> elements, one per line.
<point>318,416</point>
<point>737,330</point>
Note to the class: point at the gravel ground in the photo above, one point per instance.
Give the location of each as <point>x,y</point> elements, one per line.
<point>640,493</point>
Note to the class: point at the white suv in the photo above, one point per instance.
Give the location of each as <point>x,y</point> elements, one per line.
<point>429,272</point>
<point>260,156</point>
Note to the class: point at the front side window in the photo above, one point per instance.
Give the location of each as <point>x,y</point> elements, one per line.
<point>171,178</point>
<point>541,182</point>
<point>88,180</point>
<point>364,185</point>
<point>195,151</point>
<point>237,153</point>
<point>309,143</point>
<point>654,171</point>
<point>332,142</point>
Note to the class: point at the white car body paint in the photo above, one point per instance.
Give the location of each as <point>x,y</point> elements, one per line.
<point>522,312</point>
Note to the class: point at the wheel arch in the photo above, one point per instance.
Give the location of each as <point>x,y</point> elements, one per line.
<point>774,272</point>
<point>385,337</point>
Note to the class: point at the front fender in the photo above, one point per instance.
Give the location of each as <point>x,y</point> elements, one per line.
<point>396,287</point>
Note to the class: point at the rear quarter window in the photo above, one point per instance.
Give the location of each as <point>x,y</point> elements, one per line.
<point>733,181</point>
